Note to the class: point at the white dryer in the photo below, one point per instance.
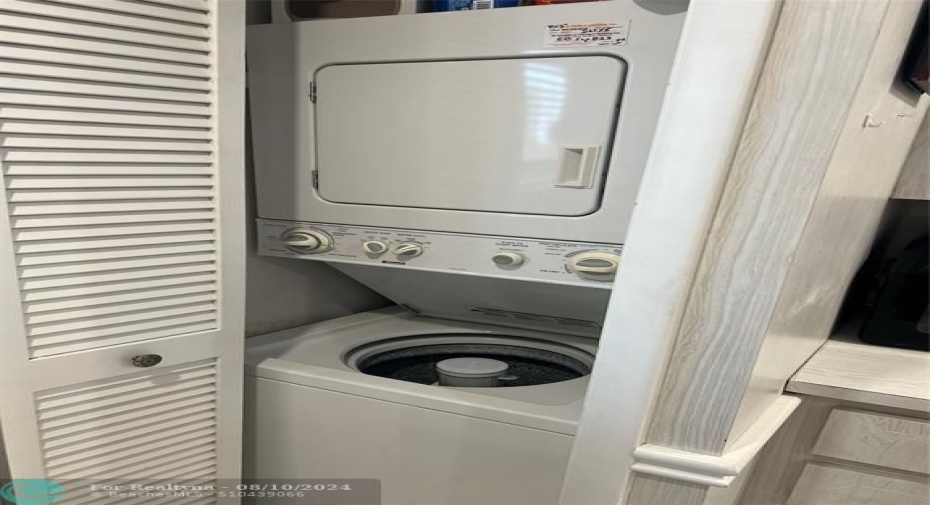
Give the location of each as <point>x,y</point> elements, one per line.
<point>355,398</point>
<point>528,123</point>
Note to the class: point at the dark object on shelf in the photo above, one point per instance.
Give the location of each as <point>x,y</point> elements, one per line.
<point>322,9</point>
<point>471,5</point>
<point>915,69</point>
<point>553,2</point>
<point>899,317</point>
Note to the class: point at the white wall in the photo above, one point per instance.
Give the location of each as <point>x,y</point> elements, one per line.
<point>283,293</point>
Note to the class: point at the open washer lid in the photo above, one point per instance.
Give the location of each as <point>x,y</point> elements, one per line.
<point>558,308</point>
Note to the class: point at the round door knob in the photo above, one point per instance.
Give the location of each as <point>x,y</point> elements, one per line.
<point>374,247</point>
<point>307,240</point>
<point>595,266</point>
<point>508,259</point>
<point>409,249</point>
<point>146,360</point>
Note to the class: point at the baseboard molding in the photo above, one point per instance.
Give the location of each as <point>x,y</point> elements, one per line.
<point>710,470</point>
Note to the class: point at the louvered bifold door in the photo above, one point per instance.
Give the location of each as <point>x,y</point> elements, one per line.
<point>121,237</point>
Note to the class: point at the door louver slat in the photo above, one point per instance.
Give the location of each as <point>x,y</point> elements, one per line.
<point>56,429</point>
<point>134,466</point>
<point>76,60</point>
<point>196,17</point>
<point>58,85</point>
<point>92,181</point>
<point>103,103</point>
<point>106,141</point>
<point>202,413</point>
<point>197,5</point>
<point>97,313</point>
<point>45,345</point>
<point>76,394</point>
<point>127,289</point>
<point>129,217</point>
<point>90,15</point>
<point>104,156</point>
<point>84,130</point>
<point>99,47</point>
<point>118,298</point>
<point>63,27</point>
<point>108,324</point>
<point>122,252</point>
<point>87,431</point>
<point>116,76</point>
<point>39,113</point>
<point>106,243</point>
<point>125,194</point>
<point>88,267</point>
<point>116,278</point>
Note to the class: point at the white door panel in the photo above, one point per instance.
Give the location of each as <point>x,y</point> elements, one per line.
<point>121,235</point>
<point>480,135</point>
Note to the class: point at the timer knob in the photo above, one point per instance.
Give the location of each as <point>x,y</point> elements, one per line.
<point>595,266</point>
<point>374,247</point>
<point>409,249</point>
<point>307,240</point>
<point>508,259</point>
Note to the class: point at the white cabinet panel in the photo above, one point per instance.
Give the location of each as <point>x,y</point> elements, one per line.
<point>121,234</point>
<point>141,426</point>
<point>521,135</point>
<point>885,440</point>
<point>822,484</point>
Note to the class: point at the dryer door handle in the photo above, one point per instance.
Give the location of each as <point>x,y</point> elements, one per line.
<point>577,167</point>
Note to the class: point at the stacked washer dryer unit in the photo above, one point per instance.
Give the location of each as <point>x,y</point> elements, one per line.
<point>479,169</point>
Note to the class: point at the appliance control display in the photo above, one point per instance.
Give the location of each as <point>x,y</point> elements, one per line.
<point>576,263</point>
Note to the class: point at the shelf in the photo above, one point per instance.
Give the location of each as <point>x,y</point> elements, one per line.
<point>847,369</point>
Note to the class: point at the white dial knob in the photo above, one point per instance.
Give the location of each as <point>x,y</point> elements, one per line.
<point>409,249</point>
<point>508,259</point>
<point>307,240</point>
<point>596,266</point>
<point>374,247</point>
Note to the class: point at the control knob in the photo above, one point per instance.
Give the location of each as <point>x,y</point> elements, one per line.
<point>374,247</point>
<point>508,259</point>
<point>408,249</point>
<point>307,240</point>
<point>595,266</point>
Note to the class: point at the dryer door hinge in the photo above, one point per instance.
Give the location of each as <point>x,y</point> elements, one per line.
<point>312,91</point>
<point>316,179</point>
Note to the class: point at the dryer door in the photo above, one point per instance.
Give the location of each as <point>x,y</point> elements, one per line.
<point>514,135</point>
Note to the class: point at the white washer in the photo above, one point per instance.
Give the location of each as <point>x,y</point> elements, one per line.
<point>312,415</point>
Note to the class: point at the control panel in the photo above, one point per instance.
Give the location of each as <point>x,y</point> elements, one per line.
<point>516,258</point>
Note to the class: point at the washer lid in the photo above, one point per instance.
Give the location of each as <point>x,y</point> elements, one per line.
<point>557,308</point>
